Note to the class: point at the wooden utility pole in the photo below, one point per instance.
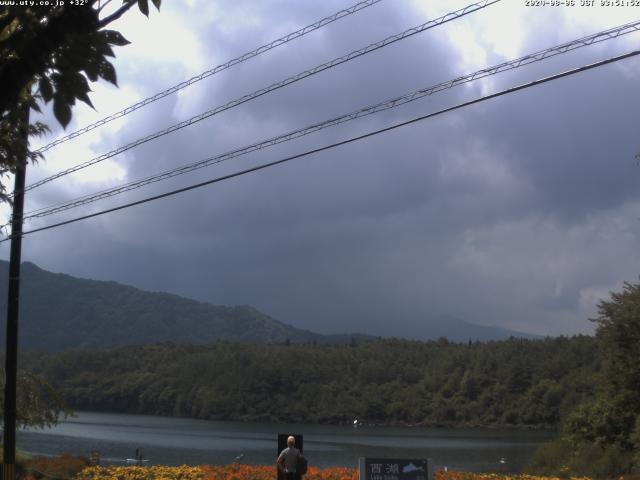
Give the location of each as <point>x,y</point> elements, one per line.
<point>11,351</point>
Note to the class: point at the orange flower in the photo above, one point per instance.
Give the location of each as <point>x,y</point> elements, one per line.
<point>261,472</point>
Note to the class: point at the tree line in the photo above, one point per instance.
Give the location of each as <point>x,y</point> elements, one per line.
<point>517,382</point>
<point>601,436</point>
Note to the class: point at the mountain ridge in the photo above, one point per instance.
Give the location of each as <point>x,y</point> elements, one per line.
<point>59,311</point>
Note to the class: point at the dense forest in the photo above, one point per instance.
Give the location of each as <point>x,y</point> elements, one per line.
<point>532,383</point>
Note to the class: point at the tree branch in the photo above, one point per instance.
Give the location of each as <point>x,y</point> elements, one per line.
<point>101,5</point>
<point>117,14</point>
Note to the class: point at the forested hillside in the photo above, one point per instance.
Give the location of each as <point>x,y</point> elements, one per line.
<point>58,312</point>
<point>514,382</point>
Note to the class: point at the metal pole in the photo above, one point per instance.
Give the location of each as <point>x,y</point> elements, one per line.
<point>11,351</point>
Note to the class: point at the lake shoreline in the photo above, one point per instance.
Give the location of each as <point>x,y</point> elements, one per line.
<point>265,419</point>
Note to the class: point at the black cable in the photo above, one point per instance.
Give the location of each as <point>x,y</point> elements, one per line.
<point>474,7</point>
<point>245,56</point>
<point>353,115</point>
<point>337,144</point>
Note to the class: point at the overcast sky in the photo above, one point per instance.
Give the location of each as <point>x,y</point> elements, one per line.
<point>522,211</point>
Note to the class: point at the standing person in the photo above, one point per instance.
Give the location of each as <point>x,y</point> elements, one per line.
<point>288,460</point>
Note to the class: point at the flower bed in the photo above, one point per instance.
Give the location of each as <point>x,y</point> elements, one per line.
<point>259,472</point>
<point>142,473</point>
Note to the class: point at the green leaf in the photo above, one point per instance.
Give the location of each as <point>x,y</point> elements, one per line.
<point>9,30</point>
<point>114,38</point>
<point>38,129</point>
<point>46,90</point>
<point>92,70</point>
<point>143,5</point>
<point>33,104</point>
<point>79,82</point>
<point>107,72</point>
<point>65,87</point>
<point>80,87</point>
<point>85,98</point>
<point>62,111</point>
<point>103,48</point>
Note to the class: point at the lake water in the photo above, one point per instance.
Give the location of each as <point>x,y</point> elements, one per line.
<point>176,441</point>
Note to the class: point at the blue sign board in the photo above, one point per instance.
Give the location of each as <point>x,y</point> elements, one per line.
<point>395,469</point>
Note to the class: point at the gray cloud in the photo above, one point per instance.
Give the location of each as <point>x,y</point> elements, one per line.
<point>520,211</point>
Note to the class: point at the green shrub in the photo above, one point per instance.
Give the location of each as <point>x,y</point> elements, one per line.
<point>564,459</point>
<point>550,459</point>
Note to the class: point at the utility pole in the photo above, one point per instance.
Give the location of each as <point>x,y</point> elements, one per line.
<point>11,351</point>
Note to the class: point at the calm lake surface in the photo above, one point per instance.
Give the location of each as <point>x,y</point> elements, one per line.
<point>177,441</point>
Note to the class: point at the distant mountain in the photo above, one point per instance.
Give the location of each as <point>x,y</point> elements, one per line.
<point>457,330</point>
<point>59,312</point>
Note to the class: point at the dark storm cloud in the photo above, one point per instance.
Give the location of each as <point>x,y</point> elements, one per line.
<point>518,211</point>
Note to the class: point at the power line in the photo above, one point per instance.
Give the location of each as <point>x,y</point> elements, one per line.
<point>378,107</point>
<point>337,144</point>
<point>242,58</point>
<point>288,81</point>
